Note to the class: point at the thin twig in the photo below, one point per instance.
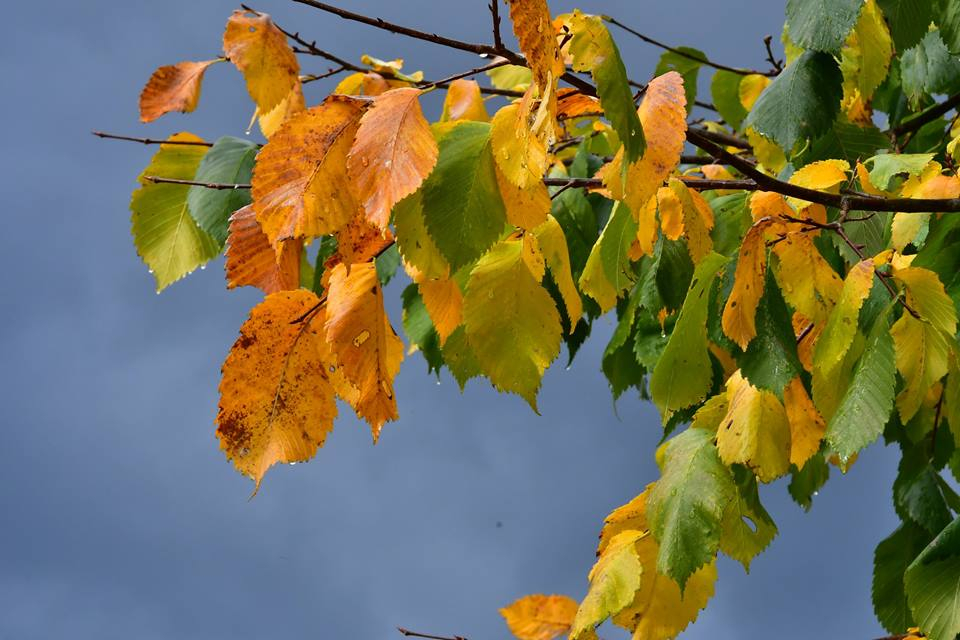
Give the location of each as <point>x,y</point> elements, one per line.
<point>113,136</point>
<point>466,74</point>
<point>416,634</point>
<point>776,64</point>
<point>219,186</point>
<point>681,52</point>
<point>314,77</point>
<point>495,15</point>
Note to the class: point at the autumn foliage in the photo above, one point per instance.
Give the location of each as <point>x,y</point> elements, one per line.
<point>786,296</point>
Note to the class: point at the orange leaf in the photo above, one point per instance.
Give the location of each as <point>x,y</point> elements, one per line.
<point>464,102</point>
<point>663,115</point>
<point>363,84</point>
<point>276,400</point>
<point>293,104</point>
<point>540,617</point>
<point>538,39</point>
<point>444,302</point>
<point>571,103</point>
<point>806,424</point>
<point>366,348</point>
<point>393,153</point>
<point>299,188</point>
<point>173,88</point>
<point>360,241</point>
<point>260,51</point>
<point>252,261</point>
<point>739,315</point>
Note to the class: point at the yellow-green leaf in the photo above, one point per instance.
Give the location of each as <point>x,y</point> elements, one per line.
<point>755,431</point>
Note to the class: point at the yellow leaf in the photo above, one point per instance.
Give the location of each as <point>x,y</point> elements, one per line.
<point>834,342</point>
<point>697,220</point>
<point>276,399</point>
<point>173,88</point>
<point>755,431</point>
<point>540,617</point>
<point>444,303</point>
<point>663,114</point>
<point>538,40</point>
<point>252,261</point>
<point>807,426</point>
<point>521,156</point>
<point>929,184</point>
<point>299,188</point>
<point>511,321</point>
<point>631,516</point>
<point>739,314</point>
<point>525,207</point>
<point>416,246</point>
<point>366,348</point>
<point>926,295</point>
<point>767,204</point>
<point>260,51</point>
<point>614,580</point>
<point>866,185</point>
<point>922,353</point>
<point>553,243</point>
<point>823,175</point>
<point>294,103</point>
<point>671,213</point>
<point>771,157</point>
<point>864,61</point>
<point>807,281</point>
<point>647,230</point>
<point>392,155</point>
<point>464,102</point>
<point>532,256</point>
<point>751,87</point>
<point>362,84</point>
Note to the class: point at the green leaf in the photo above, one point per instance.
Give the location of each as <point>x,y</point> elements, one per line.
<point>933,585</point>
<point>917,492</point>
<point>594,50</point>
<point>229,161</point>
<point>928,68</point>
<point>419,328</point>
<point>460,358</point>
<point>683,375</point>
<point>844,141</point>
<point>576,216</point>
<point>607,272</point>
<point>908,20</point>
<point>801,103</point>
<point>949,23</point>
<point>771,361</point>
<point>806,482</point>
<point>890,560</point>
<point>387,264</point>
<point>326,248</point>
<point>167,237</point>
<point>747,527</point>
<point>725,91</point>
<point>619,363</point>
<point>731,215</point>
<point>687,503</point>
<point>821,25</point>
<point>674,271</point>
<point>686,67</point>
<point>462,208</point>
<point>885,166</point>
<point>867,403</point>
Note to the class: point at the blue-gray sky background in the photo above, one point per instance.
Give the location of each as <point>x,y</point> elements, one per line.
<point>122,519</point>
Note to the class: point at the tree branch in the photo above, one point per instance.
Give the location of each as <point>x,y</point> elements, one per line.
<point>415,634</point>
<point>776,64</point>
<point>495,15</point>
<point>220,186</point>
<point>929,115</point>
<point>113,136</point>
<point>681,52</point>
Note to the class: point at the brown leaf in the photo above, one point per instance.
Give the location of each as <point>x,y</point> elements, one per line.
<point>393,153</point>
<point>299,181</point>
<point>276,400</point>
<point>173,88</point>
<point>260,51</point>
<point>252,261</point>
<point>366,348</point>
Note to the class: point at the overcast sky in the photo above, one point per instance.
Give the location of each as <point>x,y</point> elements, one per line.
<point>122,519</point>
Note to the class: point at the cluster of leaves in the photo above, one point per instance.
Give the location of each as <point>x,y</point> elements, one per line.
<point>786,327</point>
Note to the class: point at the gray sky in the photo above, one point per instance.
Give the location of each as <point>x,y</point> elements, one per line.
<point>122,519</point>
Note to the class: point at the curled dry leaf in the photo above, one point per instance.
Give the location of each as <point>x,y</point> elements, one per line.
<point>260,51</point>
<point>173,88</point>
<point>252,261</point>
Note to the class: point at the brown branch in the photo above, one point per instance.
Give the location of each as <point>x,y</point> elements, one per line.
<point>415,634</point>
<point>220,186</point>
<point>681,52</point>
<point>113,136</point>
<point>314,77</point>
<point>484,50</point>
<point>495,15</point>
<point>699,184</point>
<point>776,64</point>
<point>466,74</point>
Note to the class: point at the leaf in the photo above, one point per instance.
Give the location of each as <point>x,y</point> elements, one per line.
<point>614,582</point>
<point>686,61</point>
<point>521,156</point>
<point>511,322</point>
<point>444,303</point>
<point>683,375</point>
<point>229,161</point>
<point>359,241</point>
<point>927,296</point>
<point>276,399</point>
<point>365,347</point>
<point>260,51</point>
<point>538,40</point>
<point>685,507</point>
<point>392,155</point>
<point>594,50</point>
<point>271,121</point>
<point>525,207</point>
<point>865,59</point>
<point>725,90</point>
<point>917,493</point>
<point>463,101</point>
<point>933,585</point>
<point>755,431</point>
<point>807,482</point>
<point>884,166</point>
<point>252,261</point>
<point>540,617</point>
<point>808,283</point>
<point>807,426</point>
<point>747,527</point>
<point>908,20</point>
<point>607,272</point>
<point>866,405</point>
<point>462,207</point>
<point>739,314</point>
<point>173,88</point>
<point>801,103</point>
<point>664,117</point>
<point>167,237</point>
<point>928,68</point>
<point>841,326</point>
<point>553,243</point>
<point>298,181</point>
<point>697,220</point>
<point>821,25</point>
<point>890,560</point>
<point>419,329</point>
<point>416,246</point>
<point>460,357</point>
